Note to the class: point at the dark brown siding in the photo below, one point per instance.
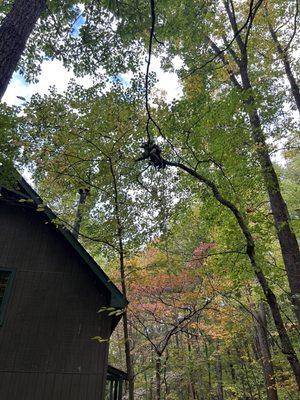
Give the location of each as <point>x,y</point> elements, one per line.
<point>46,351</point>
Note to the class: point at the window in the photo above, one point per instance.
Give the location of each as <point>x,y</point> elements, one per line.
<point>6,277</point>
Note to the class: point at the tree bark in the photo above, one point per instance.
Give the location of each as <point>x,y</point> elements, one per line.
<point>128,356</point>
<point>261,329</point>
<point>231,367</point>
<point>208,365</point>
<point>151,388</point>
<point>167,389</point>
<point>219,376</point>
<point>14,32</point>
<point>287,238</point>
<point>201,389</point>
<point>158,376</point>
<point>286,345</point>
<point>248,394</point>
<point>191,384</point>
<point>83,193</point>
<point>287,66</point>
<point>129,365</point>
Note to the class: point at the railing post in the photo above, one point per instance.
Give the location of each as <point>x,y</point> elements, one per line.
<point>120,389</point>
<point>116,390</point>
<point>111,392</point>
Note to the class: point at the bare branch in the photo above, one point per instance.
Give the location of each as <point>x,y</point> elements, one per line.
<point>253,13</point>
<point>220,54</point>
<point>295,27</point>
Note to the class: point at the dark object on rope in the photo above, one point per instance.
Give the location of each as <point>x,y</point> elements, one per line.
<point>153,152</point>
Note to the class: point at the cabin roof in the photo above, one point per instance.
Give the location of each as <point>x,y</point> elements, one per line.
<point>116,374</point>
<point>117,301</point>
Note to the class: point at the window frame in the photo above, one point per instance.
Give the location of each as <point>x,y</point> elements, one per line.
<point>7,293</point>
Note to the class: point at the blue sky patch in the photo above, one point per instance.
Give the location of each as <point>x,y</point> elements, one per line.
<point>76,27</point>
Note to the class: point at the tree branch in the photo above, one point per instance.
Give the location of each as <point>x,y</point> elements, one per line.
<point>295,27</point>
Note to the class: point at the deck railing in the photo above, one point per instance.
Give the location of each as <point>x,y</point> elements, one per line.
<point>115,380</point>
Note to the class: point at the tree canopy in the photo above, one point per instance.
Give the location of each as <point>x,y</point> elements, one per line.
<point>203,241</point>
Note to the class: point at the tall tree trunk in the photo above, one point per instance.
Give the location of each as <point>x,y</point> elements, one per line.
<point>252,372</point>
<point>208,365</point>
<point>128,356</point>
<point>286,345</point>
<point>158,376</point>
<point>151,388</point>
<point>167,389</point>
<point>231,367</point>
<point>129,362</point>
<point>261,329</point>
<point>218,368</point>
<point>14,32</point>
<point>192,389</point>
<point>233,375</point>
<point>287,238</point>
<point>146,384</point>
<point>286,63</point>
<point>245,382</point>
<point>201,389</point>
<point>83,193</point>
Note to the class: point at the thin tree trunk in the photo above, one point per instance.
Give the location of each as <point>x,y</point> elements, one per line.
<point>151,389</point>
<point>146,384</point>
<point>83,193</point>
<point>231,368</point>
<point>243,383</point>
<point>219,376</point>
<point>14,32</point>
<point>287,238</point>
<point>249,357</point>
<point>158,376</point>
<point>287,66</point>
<point>120,348</point>
<point>129,363</point>
<point>286,345</point>
<point>245,373</point>
<point>200,383</point>
<point>208,370</point>
<point>167,389</point>
<point>233,376</point>
<point>128,357</point>
<point>261,328</point>
<point>192,389</point>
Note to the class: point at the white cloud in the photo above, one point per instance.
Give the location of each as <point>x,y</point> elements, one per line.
<point>168,82</point>
<point>53,74</point>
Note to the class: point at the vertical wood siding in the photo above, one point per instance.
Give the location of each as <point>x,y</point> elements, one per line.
<point>46,351</point>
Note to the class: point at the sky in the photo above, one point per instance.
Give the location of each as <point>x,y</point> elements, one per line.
<point>54,73</point>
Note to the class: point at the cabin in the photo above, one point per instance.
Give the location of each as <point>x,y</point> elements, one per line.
<point>50,292</point>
